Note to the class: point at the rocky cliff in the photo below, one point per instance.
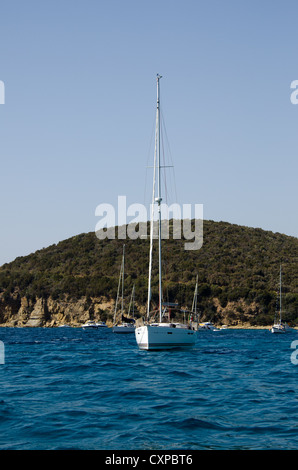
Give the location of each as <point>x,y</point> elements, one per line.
<point>24,312</point>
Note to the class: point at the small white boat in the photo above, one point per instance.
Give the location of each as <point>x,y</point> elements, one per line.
<point>124,328</point>
<point>280,327</point>
<point>92,324</point>
<point>207,326</point>
<point>89,324</point>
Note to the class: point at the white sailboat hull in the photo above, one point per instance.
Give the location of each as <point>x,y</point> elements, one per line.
<point>281,328</point>
<point>150,337</point>
<point>277,329</point>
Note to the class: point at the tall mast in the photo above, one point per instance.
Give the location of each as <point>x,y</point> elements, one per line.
<point>133,301</point>
<point>195,298</point>
<point>159,199</point>
<point>152,221</point>
<point>122,279</point>
<point>280,294</point>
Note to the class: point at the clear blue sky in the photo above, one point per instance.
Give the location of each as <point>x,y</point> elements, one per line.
<point>76,126</point>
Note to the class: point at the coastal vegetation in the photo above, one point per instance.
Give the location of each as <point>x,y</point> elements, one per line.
<point>237,269</point>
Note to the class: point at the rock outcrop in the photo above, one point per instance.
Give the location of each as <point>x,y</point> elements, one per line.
<point>24,312</point>
<point>40,312</point>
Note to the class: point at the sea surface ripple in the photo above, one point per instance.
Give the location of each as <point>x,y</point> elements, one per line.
<point>68,388</point>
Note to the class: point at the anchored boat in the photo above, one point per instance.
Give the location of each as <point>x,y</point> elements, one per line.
<point>161,335</point>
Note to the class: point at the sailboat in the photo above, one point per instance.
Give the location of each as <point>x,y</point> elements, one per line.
<point>160,335</point>
<point>279,326</point>
<point>127,325</point>
<point>200,326</point>
<point>195,300</point>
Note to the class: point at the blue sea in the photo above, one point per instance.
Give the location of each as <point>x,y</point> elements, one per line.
<point>69,388</point>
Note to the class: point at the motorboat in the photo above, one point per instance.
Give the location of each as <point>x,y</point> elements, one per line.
<point>94,324</point>
<point>207,326</point>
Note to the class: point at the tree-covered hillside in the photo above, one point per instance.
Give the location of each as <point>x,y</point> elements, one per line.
<point>237,268</point>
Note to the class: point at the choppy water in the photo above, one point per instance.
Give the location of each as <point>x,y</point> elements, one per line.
<point>66,388</point>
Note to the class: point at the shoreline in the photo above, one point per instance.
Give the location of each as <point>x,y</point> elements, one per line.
<point>237,327</point>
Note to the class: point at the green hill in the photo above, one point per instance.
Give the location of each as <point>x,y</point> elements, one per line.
<point>237,268</point>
